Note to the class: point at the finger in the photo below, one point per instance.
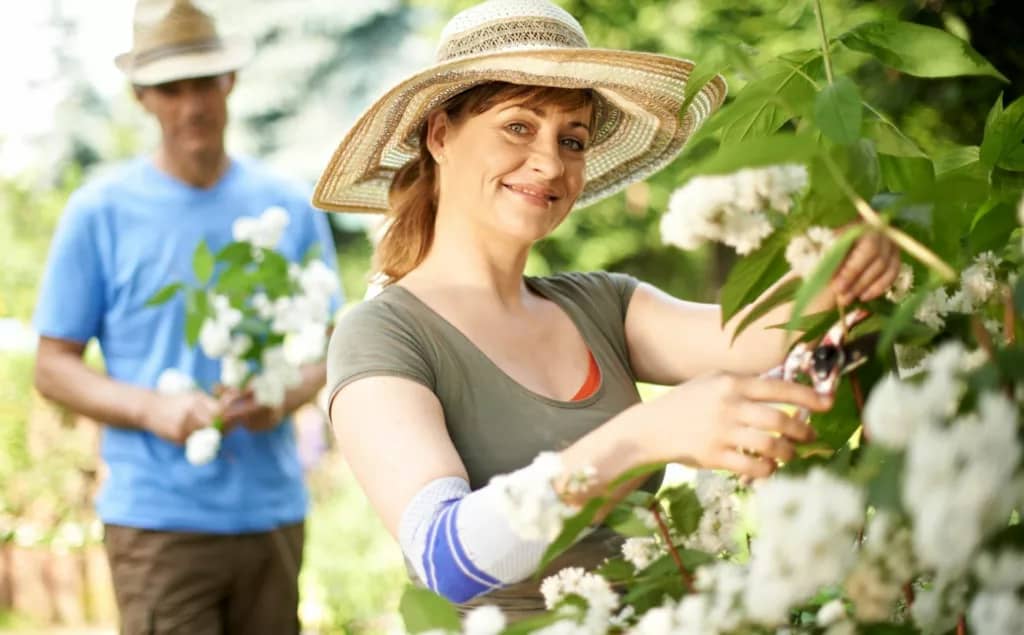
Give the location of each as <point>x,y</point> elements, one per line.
<point>864,250</point>
<point>868,277</point>
<point>885,281</point>
<point>771,419</point>
<point>781,391</point>
<point>761,443</point>
<point>746,465</point>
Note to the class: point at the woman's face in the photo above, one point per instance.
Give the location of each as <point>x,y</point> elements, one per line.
<point>516,168</point>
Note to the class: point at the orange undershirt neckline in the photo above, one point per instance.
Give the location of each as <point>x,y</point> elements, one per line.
<point>591,383</point>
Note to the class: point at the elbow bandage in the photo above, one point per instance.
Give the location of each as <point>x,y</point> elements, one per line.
<point>460,542</point>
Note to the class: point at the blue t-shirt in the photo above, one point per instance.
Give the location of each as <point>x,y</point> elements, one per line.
<point>123,237</point>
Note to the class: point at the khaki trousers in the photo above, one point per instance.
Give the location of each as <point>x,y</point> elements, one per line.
<point>171,582</point>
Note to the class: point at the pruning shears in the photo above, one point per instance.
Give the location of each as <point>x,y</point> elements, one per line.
<point>833,356</point>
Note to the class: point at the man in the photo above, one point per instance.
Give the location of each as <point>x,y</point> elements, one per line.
<point>193,549</point>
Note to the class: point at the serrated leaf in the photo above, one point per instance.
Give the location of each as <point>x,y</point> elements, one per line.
<point>918,50</point>
<point>906,174</point>
<point>423,610</point>
<point>838,111</point>
<point>784,293</point>
<point>202,263</point>
<point>616,570</point>
<point>753,275</point>
<point>822,274</point>
<point>165,294</point>
<point>624,521</point>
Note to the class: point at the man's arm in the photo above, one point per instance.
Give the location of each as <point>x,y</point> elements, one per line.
<point>62,376</point>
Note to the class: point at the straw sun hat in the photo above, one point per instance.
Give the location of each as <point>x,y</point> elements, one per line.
<point>175,39</point>
<point>639,124</point>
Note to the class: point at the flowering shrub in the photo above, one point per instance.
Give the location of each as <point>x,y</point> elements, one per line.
<point>260,315</point>
<point>903,517</point>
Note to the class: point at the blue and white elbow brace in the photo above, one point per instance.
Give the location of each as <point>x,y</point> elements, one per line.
<point>461,544</point>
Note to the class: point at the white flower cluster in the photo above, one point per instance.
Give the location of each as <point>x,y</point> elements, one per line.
<point>900,288</point>
<point>716,608</point>
<point>641,551</point>
<point>732,208</point>
<point>895,408</point>
<point>977,284</point>
<point>601,599</point>
<point>805,251</point>
<point>529,500</point>
<point>956,482</point>
<point>484,620</point>
<point>807,529</point>
<point>264,231</point>
<point>202,445</point>
<point>885,563</point>
<point>720,519</point>
<point>301,318</point>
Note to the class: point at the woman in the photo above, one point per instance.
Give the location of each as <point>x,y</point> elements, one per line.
<point>463,369</point>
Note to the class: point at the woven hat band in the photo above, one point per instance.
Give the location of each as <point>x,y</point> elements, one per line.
<point>172,50</point>
<point>508,35</point>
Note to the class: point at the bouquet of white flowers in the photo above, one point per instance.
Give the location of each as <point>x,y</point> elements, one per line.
<point>260,315</point>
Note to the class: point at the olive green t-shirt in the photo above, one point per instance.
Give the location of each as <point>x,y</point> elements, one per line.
<point>496,424</point>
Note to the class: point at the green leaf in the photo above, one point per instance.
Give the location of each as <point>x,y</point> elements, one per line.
<point>165,294</point>
<point>624,520</point>
<point>235,253</point>
<point>423,610</point>
<point>956,159</point>
<point>202,263</point>
<point>765,105</point>
<point>890,140</point>
<point>273,273</point>
<point>835,427</point>
<point>1004,134</point>
<point>197,308</point>
<point>616,570</point>
<point>784,293</point>
<point>313,253</point>
<point>684,508</point>
<point>900,320</point>
<point>1018,297</point>
<point>571,530</point>
<point>990,227</point>
<point>758,152</point>
<point>906,174</point>
<point>918,50</point>
<point>752,275</point>
<point>699,76</point>
<point>838,111</point>
<point>822,274</point>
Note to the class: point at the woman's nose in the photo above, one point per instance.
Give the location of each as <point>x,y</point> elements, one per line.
<point>546,160</point>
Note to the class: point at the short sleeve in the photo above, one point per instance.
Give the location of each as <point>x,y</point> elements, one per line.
<point>622,286</point>
<point>375,338</point>
<point>71,297</point>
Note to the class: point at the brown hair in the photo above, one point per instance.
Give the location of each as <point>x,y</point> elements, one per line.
<point>413,195</point>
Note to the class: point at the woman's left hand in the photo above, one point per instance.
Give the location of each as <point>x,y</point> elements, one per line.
<point>869,269</point>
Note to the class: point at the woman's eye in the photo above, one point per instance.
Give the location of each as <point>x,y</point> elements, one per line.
<point>573,144</point>
<point>518,128</point>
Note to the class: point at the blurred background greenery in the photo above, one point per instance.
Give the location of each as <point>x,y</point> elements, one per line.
<point>318,65</point>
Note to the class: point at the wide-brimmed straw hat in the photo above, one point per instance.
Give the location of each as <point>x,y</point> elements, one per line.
<point>640,127</point>
<point>175,39</point>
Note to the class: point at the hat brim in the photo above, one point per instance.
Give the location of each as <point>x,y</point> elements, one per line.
<point>231,56</point>
<point>645,128</point>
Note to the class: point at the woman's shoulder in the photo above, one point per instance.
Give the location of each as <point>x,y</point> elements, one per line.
<point>591,285</point>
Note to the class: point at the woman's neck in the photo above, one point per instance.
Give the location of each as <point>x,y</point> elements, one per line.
<point>462,261</point>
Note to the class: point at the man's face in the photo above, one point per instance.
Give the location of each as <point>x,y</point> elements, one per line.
<point>192,113</point>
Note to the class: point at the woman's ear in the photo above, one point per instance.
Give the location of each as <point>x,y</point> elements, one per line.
<point>438,128</point>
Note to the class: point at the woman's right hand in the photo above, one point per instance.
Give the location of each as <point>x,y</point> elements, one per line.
<point>731,422</point>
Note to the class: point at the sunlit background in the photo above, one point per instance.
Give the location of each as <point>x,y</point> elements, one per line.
<point>67,114</point>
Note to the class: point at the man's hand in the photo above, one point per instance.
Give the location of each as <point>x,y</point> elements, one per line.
<point>174,417</point>
<point>241,408</point>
